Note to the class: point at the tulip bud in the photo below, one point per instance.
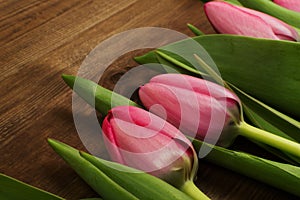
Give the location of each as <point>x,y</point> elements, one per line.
<point>289,4</point>
<point>232,19</point>
<point>194,106</point>
<point>142,140</point>
<point>210,110</point>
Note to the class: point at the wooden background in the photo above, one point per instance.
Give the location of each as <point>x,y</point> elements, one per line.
<point>40,40</point>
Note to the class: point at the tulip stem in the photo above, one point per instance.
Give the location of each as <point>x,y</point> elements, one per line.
<point>270,139</point>
<point>190,189</point>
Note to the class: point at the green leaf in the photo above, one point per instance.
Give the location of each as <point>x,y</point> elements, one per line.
<point>282,176</point>
<point>195,30</point>
<point>95,95</point>
<point>115,181</point>
<point>184,66</point>
<point>92,199</point>
<point>132,180</point>
<point>269,7</point>
<point>12,189</point>
<point>234,2</point>
<point>100,182</point>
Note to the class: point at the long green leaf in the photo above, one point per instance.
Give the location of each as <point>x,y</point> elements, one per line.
<point>133,180</point>
<point>12,189</point>
<point>282,176</point>
<point>95,95</point>
<point>115,181</point>
<point>101,183</point>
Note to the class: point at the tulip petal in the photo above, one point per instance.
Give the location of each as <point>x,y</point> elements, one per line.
<point>271,8</point>
<point>289,4</point>
<point>139,139</point>
<point>194,113</point>
<point>200,86</point>
<point>281,29</point>
<point>230,19</point>
<point>110,138</point>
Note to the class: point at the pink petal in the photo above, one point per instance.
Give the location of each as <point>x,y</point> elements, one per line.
<point>111,142</point>
<point>123,128</point>
<point>230,19</point>
<point>281,29</point>
<point>135,145</point>
<point>189,111</point>
<point>198,85</point>
<point>289,4</point>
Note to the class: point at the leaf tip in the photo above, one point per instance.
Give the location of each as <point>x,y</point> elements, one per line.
<point>69,79</point>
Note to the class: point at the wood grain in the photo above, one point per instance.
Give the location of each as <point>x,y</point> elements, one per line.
<point>42,39</point>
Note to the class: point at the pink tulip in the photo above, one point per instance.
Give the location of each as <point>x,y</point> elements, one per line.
<point>193,105</point>
<point>230,19</point>
<point>139,139</point>
<point>289,4</point>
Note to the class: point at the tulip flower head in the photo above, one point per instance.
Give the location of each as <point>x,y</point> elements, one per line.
<point>140,139</point>
<point>191,102</point>
<point>289,4</point>
<point>194,106</point>
<point>231,19</point>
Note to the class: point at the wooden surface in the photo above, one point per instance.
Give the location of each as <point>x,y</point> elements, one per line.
<point>42,39</point>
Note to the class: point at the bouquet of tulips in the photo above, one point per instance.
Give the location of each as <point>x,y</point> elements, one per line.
<point>154,146</point>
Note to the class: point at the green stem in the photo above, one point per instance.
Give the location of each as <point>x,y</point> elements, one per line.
<point>190,189</point>
<point>268,138</point>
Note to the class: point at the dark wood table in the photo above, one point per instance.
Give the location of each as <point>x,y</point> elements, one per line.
<point>42,39</point>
